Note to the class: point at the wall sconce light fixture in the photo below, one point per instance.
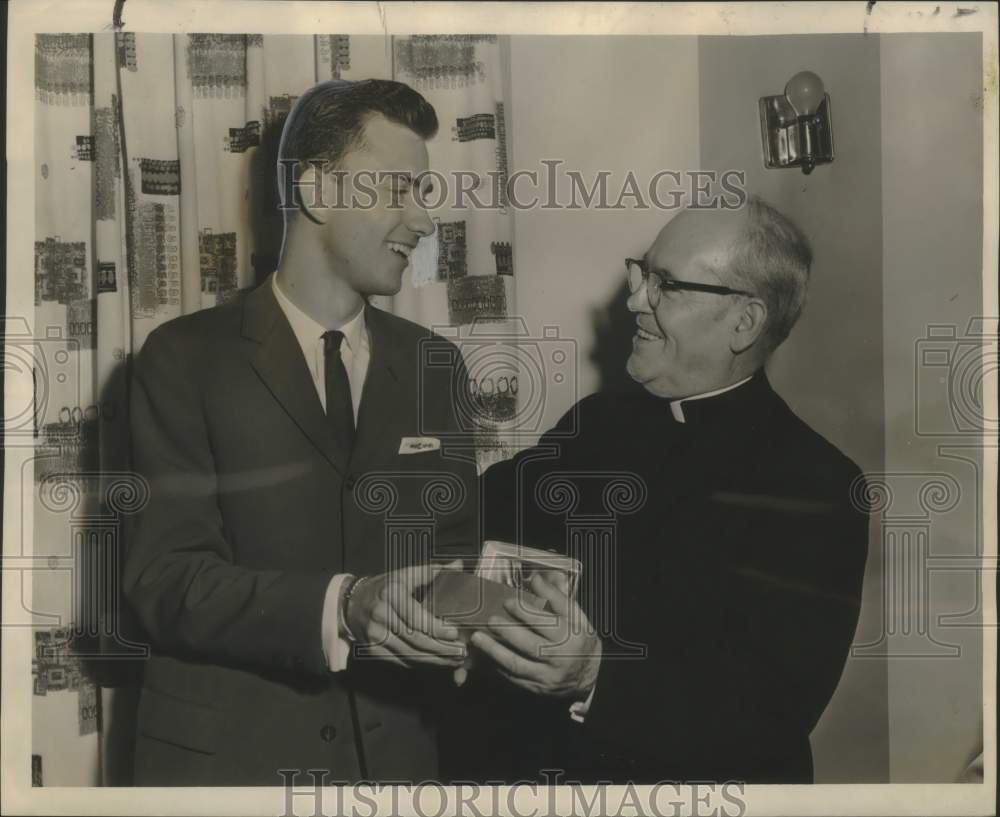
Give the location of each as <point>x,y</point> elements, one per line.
<point>796,127</point>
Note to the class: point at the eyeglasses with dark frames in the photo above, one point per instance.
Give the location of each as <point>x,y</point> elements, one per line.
<point>638,273</point>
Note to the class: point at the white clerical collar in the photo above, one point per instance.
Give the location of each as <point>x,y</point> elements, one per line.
<point>307,331</point>
<point>677,409</point>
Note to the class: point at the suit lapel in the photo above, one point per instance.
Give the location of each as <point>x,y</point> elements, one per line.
<point>384,410</point>
<point>278,360</point>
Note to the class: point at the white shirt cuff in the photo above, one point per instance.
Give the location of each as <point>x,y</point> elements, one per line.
<point>578,710</point>
<point>336,648</point>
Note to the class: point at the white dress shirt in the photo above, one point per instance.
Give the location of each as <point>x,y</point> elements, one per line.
<point>355,351</point>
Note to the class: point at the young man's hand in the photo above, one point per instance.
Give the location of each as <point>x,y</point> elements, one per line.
<point>392,625</point>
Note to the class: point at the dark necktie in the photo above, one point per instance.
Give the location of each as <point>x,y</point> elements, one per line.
<point>339,408</point>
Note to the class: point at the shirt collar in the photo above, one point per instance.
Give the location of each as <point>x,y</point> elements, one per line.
<point>677,407</point>
<point>308,331</point>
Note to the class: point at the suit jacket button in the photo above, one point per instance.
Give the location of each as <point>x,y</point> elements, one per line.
<point>349,482</point>
<point>328,733</point>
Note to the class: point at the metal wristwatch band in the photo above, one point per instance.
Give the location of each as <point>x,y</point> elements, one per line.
<point>352,586</point>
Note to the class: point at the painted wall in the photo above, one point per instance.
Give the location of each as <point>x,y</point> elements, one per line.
<point>596,103</point>
<point>830,369</point>
<point>932,180</point>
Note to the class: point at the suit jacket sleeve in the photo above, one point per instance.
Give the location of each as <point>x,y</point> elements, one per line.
<point>180,575</point>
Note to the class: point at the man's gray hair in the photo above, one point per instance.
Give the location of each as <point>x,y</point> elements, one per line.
<point>772,258</point>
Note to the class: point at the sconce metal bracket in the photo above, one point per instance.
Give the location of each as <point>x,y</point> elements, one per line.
<point>783,134</point>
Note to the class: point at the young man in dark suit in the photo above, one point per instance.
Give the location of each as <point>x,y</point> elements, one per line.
<point>279,432</point>
<point>729,597</point>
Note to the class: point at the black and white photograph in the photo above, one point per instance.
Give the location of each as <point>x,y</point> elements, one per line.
<point>509,408</point>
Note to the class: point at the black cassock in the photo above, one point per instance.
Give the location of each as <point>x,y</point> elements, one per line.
<point>727,602</point>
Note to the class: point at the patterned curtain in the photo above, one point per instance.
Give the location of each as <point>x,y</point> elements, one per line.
<point>155,197</point>
<point>461,279</point>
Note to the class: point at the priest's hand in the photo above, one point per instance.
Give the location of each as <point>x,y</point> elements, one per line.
<point>555,652</point>
<point>390,624</point>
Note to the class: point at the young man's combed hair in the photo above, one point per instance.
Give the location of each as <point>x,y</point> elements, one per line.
<point>329,119</point>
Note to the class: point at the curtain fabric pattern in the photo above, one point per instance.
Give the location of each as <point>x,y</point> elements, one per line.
<point>155,197</point>
<point>461,279</point>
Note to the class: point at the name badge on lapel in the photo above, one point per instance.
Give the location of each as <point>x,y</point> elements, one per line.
<point>418,445</point>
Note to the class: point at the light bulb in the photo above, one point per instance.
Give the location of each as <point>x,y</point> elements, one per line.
<point>805,92</point>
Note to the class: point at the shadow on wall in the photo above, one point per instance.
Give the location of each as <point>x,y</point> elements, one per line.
<point>107,638</point>
<point>614,327</point>
<point>266,222</point>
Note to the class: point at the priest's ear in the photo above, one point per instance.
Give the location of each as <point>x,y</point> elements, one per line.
<point>749,325</point>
